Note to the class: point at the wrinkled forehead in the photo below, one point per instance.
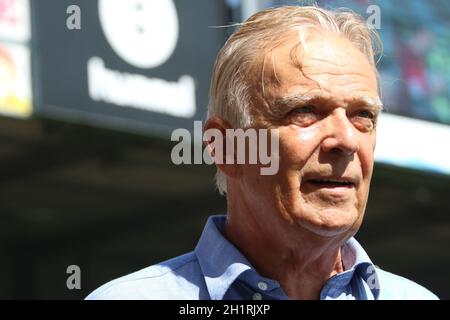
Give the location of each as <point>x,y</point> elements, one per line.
<point>312,54</point>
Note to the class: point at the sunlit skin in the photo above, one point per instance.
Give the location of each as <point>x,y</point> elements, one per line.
<point>292,225</point>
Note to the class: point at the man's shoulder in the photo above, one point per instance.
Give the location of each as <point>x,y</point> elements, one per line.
<point>177,278</point>
<point>395,287</point>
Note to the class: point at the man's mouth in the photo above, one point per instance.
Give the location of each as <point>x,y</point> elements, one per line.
<point>332,183</point>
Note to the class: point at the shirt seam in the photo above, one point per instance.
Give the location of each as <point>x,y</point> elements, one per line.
<point>112,285</point>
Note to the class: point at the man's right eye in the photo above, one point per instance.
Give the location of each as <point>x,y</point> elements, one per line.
<point>303,116</point>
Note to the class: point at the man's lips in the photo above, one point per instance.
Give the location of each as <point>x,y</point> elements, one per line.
<point>332,182</point>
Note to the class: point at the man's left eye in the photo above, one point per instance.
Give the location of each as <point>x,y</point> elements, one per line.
<point>304,109</point>
<point>366,114</point>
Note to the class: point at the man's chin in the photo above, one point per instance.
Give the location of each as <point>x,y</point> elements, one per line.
<point>331,222</point>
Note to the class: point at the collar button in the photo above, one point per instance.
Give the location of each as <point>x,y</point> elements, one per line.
<point>262,285</point>
<point>257,296</point>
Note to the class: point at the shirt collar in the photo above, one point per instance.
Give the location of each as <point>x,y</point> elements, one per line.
<point>356,262</point>
<point>222,263</point>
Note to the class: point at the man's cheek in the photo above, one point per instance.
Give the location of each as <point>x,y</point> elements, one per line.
<point>295,153</point>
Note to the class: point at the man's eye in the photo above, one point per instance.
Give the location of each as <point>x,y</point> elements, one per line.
<point>364,120</point>
<point>304,109</point>
<point>366,114</point>
<point>303,116</point>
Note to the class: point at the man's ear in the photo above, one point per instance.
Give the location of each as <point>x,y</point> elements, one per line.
<point>215,139</point>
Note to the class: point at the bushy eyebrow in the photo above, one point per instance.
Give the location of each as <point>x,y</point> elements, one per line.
<point>371,102</point>
<point>297,100</point>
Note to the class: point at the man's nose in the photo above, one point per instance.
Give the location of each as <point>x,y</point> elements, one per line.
<point>340,134</point>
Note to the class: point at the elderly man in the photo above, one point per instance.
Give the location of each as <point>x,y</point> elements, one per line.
<point>310,74</point>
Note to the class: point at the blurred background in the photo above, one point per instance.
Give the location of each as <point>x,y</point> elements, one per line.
<point>90,92</point>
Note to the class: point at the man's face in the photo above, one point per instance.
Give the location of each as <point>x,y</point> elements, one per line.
<point>325,112</point>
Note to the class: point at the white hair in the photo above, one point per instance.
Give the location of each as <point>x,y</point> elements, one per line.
<point>230,93</point>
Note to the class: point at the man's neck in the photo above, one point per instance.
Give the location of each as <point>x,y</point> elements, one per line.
<point>301,265</point>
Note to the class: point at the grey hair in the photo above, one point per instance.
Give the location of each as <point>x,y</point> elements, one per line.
<point>230,94</point>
